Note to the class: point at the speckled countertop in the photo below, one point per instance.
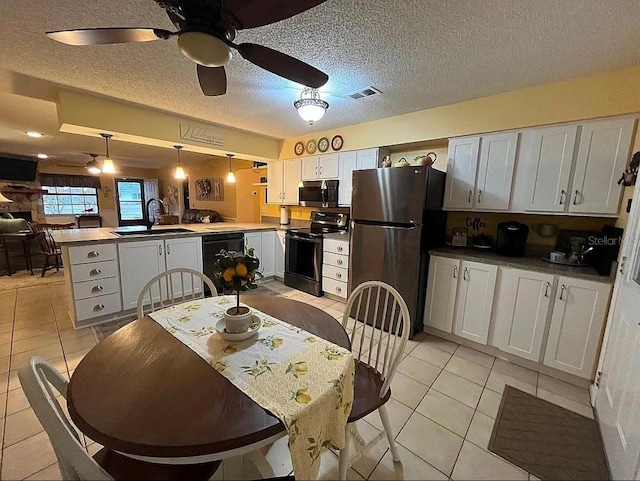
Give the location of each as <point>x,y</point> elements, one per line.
<point>105,234</point>
<point>532,262</point>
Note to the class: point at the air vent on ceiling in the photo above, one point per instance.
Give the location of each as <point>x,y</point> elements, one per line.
<point>365,92</point>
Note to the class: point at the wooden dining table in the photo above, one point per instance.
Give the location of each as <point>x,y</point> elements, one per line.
<point>145,394</point>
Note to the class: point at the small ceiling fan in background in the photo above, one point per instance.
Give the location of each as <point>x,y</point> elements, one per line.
<point>206,34</point>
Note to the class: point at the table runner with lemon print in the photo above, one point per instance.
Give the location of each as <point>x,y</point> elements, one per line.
<point>304,380</point>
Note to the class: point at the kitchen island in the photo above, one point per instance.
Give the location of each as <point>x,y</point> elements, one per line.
<point>106,268</point>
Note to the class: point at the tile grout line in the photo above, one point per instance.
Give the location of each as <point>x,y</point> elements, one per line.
<point>6,400</point>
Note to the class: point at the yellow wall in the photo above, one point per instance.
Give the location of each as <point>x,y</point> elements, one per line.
<point>211,168</point>
<point>600,95</point>
<point>248,195</point>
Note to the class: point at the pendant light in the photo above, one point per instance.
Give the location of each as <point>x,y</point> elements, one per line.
<point>231,178</point>
<point>3,199</point>
<point>107,164</point>
<point>310,106</point>
<point>92,165</point>
<point>179,175</point>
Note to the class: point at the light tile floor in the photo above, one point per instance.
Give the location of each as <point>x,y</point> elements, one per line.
<point>444,397</point>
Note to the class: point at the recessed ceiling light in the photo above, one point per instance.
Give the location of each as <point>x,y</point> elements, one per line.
<point>34,134</point>
<point>42,156</point>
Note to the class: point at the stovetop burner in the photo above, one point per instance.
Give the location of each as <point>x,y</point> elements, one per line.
<point>323,223</point>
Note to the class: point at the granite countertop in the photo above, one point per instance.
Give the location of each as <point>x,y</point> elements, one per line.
<point>105,234</point>
<point>531,261</point>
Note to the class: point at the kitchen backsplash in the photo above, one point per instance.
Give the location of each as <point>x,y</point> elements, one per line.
<point>487,223</point>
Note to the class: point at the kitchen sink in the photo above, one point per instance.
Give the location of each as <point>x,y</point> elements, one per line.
<point>177,230</point>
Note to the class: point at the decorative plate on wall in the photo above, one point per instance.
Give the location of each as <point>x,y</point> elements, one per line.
<point>298,148</point>
<point>337,142</point>
<point>323,144</point>
<point>311,146</point>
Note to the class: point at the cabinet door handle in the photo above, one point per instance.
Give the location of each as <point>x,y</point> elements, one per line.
<point>160,250</point>
<point>97,288</point>
<point>95,272</point>
<point>168,250</point>
<point>546,289</point>
<point>316,170</point>
<point>562,292</point>
<point>575,197</point>
<point>465,274</point>
<point>340,249</point>
<point>338,289</point>
<point>469,197</point>
<point>338,275</point>
<point>622,263</point>
<point>479,197</point>
<point>320,170</point>
<point>339,262</point>
<point>93,254</point>
<point>98,307</point>
<point>455,272</point>
<point>563,195</point>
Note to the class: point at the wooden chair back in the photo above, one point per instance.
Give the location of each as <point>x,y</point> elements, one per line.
<point>173,287</point>
<point>45,239</point>
<point>39,379</point>
<point>377,321</point>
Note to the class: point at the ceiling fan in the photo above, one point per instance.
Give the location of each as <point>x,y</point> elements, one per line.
<point>206,31</point>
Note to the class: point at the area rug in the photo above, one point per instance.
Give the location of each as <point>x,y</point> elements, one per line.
<point>546,440</point>
<point>102,331</point>
<point>24,279</point>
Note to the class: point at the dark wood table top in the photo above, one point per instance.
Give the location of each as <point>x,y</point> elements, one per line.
<point>141,391</point>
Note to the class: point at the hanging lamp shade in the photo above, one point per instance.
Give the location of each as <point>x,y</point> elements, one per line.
<point>108,167</point>
<point>179,173</point>
<point>3,199</point>
<point>231,177</point>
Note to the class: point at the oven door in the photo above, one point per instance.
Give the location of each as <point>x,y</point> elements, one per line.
<point>303,263</point>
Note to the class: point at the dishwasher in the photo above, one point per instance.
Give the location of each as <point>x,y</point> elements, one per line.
<point>212,244</point>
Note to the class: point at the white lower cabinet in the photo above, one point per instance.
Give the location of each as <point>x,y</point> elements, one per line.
<point>279,254</point>
<point>264,245</point>
<point>579,312</point>
<point>522,307</point>
<point>441,293</point>
<point>335,267</point>
<point>475,301</point>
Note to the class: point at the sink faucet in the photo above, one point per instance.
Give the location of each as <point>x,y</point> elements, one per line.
<point>149,222</point>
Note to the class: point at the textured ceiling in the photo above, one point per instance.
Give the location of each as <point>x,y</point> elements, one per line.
<point>419,53</point>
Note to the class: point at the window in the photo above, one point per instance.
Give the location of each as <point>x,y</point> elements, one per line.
<point>70,200</point>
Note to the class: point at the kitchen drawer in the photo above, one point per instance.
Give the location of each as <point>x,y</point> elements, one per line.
<point>337,260</point>
<point>94,270</point>
<point>337,273</point>
<point>336,246</point>
<point>98,306</point>
<point>92,253</point>
<point>337,288</point>
<point>96,287</point>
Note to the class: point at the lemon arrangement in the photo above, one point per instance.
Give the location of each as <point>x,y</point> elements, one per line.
<point>237,272</point>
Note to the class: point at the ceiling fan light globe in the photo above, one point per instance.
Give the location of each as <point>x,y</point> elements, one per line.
<point>311,112</point>
<point>92,169</point>
<point>204,49</point>
<point>108,166</point>
<point>180,174</point>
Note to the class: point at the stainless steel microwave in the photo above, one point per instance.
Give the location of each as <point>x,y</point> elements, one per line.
<point>318,193</point>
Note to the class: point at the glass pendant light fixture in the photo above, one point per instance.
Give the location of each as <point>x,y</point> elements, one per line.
<point>179,175</point>
<point>231,178</point>
<point>107,164</point>
<point>92,165</point>
<point>310,106</point>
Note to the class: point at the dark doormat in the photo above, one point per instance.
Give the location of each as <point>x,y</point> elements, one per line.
<point>546,440</point>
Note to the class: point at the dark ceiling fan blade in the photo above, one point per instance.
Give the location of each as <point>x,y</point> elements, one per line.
<point>100,36</point>
<point>283,65</point>
<point>176,19</point>
<point>213,80</point>
<point>256,13</point>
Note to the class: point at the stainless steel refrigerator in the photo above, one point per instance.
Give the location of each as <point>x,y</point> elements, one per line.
<point>396,218</point>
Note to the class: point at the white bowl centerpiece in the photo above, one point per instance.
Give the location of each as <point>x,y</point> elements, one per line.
<point>237,272</point>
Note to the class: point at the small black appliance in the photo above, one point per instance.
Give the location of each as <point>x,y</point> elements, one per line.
<point>511,239</point>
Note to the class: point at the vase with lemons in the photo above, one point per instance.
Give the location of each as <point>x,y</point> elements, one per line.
<point>237,272</point>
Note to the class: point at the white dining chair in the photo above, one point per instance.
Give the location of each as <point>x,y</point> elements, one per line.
<point>377,321</point>
<point>173,287</point>
<point>39,379</point>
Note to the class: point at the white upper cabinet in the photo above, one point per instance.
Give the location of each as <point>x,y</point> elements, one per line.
<point>523,302</point>
<point>442,288</point>
<point>462,165</point>
<point>544,169</point>
<point>579,311</point>
<point>367,159</point>
<point>495,171</point>
<point>283,178</point>
<point>347,164</point>
<point>602,157</point>
<point>475,301</point>
<point>320,167</point>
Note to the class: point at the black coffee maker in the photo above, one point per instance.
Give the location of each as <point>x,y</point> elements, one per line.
<point>511,239</point>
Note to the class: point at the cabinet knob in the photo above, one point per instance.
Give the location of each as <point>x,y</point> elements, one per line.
<point>338,275</point>
<point>340,249</point>
<point>338,289</point>
<point>93,254</point>
<point>339,262</point>
<point>97,288</point>
<point>98,307</point>
<point>95,272</point>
